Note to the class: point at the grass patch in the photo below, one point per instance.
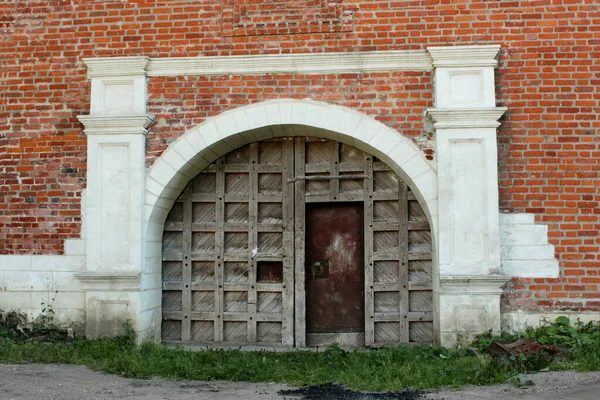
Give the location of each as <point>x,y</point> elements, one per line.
<point>375,370</point>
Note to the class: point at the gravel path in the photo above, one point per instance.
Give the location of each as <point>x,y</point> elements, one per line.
<point>70,382</point>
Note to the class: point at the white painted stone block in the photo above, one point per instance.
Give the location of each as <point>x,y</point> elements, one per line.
<point>518,252</point>
<point>524,235</point>
<point>27,280</point>
<point>10,300</point>
<point>58,263</point>
<point>531,268</point>
<point>15,263</point>
<point>75,247</point>
<point>65,281</point>
<point>518,218</point>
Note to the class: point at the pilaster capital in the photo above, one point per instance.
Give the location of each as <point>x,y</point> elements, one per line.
<point>465,56</point>
<point>116,124</point>
<point>448,118</point>
<point>116,66</point>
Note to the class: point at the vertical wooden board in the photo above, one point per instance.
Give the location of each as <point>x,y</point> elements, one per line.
<point>287,215</point>
<point>368,237</point>
<point>270,184</point>
<point>386,302</point>
<point>386,332</point>
<point>385,181</point>
<point>253,238</point>
<point>203,212</point>
<point>385,241</point>
<point>403,257</point>
<point>270,151</point>
<point>203,300</point>
<point>334,170</point>
<point>238,156</point>
<point>420,271</point>
<point>235,331</point>
<point>203,271</point>
<point>236,213</point>
<point>219,238</point>
<point>172,243</point>
<point>203,331</point>
<point>235,302</point>
<point>236,242</point>
<point>237,183</point>
<point>421,332</point>
<point>187,261</point>
<point>270,243</point>
<point>236,272</point>
<point>269,302</point>
<point>272,213</point>
<point>171,300</point>
<point>421,301</point>
<point>299,207</point>
<point>176,213</point>
<point>171,330</point>
<point>205,182</point>
<point>386,272</point>
<point>172,271</point>
<point>269,332</point>
<point>203,242</point>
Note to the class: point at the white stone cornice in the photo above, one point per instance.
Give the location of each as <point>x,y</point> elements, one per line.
<point>348,62</point>
<point>109,281</point>
<point>473,284</point>
<point>116,124</point>
<point>445,118</point>
<point>465,56</point>
<point>116,66</point>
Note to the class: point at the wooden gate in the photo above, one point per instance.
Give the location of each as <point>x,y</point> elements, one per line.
<point>234,246</point>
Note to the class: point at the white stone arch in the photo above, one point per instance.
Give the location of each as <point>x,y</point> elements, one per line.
<point>217,136</point>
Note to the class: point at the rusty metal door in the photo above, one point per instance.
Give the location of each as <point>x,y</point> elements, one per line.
<point>334,269</point>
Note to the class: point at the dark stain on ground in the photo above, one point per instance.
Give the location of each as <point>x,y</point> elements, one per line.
<point>337,392</point>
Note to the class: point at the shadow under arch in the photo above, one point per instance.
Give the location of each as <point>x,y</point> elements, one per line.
<point>217,136</point>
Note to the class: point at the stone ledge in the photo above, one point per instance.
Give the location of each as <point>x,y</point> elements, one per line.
<point>465,56</point>
<point>472,284</point>
<point>449,118</point>
<point>116,124</point>
<point>116,66</point>
<point>109,281</point>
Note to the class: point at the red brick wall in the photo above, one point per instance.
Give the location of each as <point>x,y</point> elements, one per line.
<point>549,78</point>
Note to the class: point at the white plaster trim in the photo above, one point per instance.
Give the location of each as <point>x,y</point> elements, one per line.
<point>446,118</point>
<point>116,124</point>
<point>348,62</point>
<point>472,284</point>
<point>116,66</point>
<point>465,56</point>
<point>514,321</point>
<point>525,249</point>
<point>109,281</point>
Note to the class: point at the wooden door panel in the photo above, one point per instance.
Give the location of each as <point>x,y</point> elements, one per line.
<point>334,268</point>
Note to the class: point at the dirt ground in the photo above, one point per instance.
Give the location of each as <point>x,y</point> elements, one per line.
<point>69,382</point>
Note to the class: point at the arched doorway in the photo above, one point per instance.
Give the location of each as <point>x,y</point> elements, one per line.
<point>297,241</point>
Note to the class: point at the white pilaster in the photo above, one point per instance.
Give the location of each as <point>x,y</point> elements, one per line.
<point>465,119</point>
<point>116,131</point>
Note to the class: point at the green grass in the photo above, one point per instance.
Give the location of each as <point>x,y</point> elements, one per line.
<point>375,370</point>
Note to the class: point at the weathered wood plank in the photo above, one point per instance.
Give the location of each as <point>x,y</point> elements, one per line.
<point>219,250</point>
<point>252,241</point>
<point>287,287</point>
<point>186,298</point>
<point>403,257</point>
<point>334,161</point>
<point>369,260</point>
<point>299,220</point>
